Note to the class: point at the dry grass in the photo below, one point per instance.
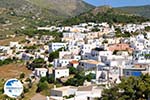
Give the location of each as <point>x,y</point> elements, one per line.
<point>13,71</point>
<point>7,41</point>
<point>31,92</point>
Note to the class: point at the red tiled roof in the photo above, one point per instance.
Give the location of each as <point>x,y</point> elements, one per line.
<point>74,62</point>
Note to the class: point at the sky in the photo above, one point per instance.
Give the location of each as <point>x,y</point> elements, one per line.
<point>118,3</point>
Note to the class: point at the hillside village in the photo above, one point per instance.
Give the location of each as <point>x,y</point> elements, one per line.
<point>89,58</point>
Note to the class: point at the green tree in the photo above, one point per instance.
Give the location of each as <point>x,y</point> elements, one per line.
<point>50,65</point>
<point>25,90</point>
<point>147,56</point>
<point>95,29</point>
<point>109,15</point>
<point>132,88</point>
<point>51,79</point>
<point>6,61</point>
<point>22,75</point>
<point>42,86</point>
<point>37,63</point>
<point>115,52</point>
<point>54,55</point>
<point>77,80</point>
<point>72,70</point>
<point>147,28</point>
<point>89,77</point>
<point>43,79</point>
<point>105,41</point>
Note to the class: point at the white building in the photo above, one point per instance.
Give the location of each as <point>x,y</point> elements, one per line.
<point>40,72</point>
<point>86,48</point>
<point>140,37</point>
<point>55,46</point>
<point>73,49</point>
<point>99,53</point>
<point>148,35</point>
<point>5,49</point>
<point>137,45</point>
<point>88,93</point>
<point>101,76</point>
<point>60,72</point>
<point>90,64</point>
<point>142,56</point>
<point>61,62</point>
<point>105,75</point>
<point>116,60</point>
<point>52,28</point>
<point>80,93</point>
<point>14,44</point>
<point>146,43</point>
<point>65,59</point>
<point>132,28</point>
<point>63,53</point>
<point>59,93</point>
<point>3,58</point>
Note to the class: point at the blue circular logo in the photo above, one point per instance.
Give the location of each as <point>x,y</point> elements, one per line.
<point>13,88</point>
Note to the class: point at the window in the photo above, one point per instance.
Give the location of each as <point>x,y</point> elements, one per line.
<point>82,64</point>
<point>127,73</point>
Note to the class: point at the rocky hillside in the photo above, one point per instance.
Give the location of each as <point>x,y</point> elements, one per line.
<point>45,8</point>
<point>17,14</point>
<point>105,14</point>
<point>138,10</point>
